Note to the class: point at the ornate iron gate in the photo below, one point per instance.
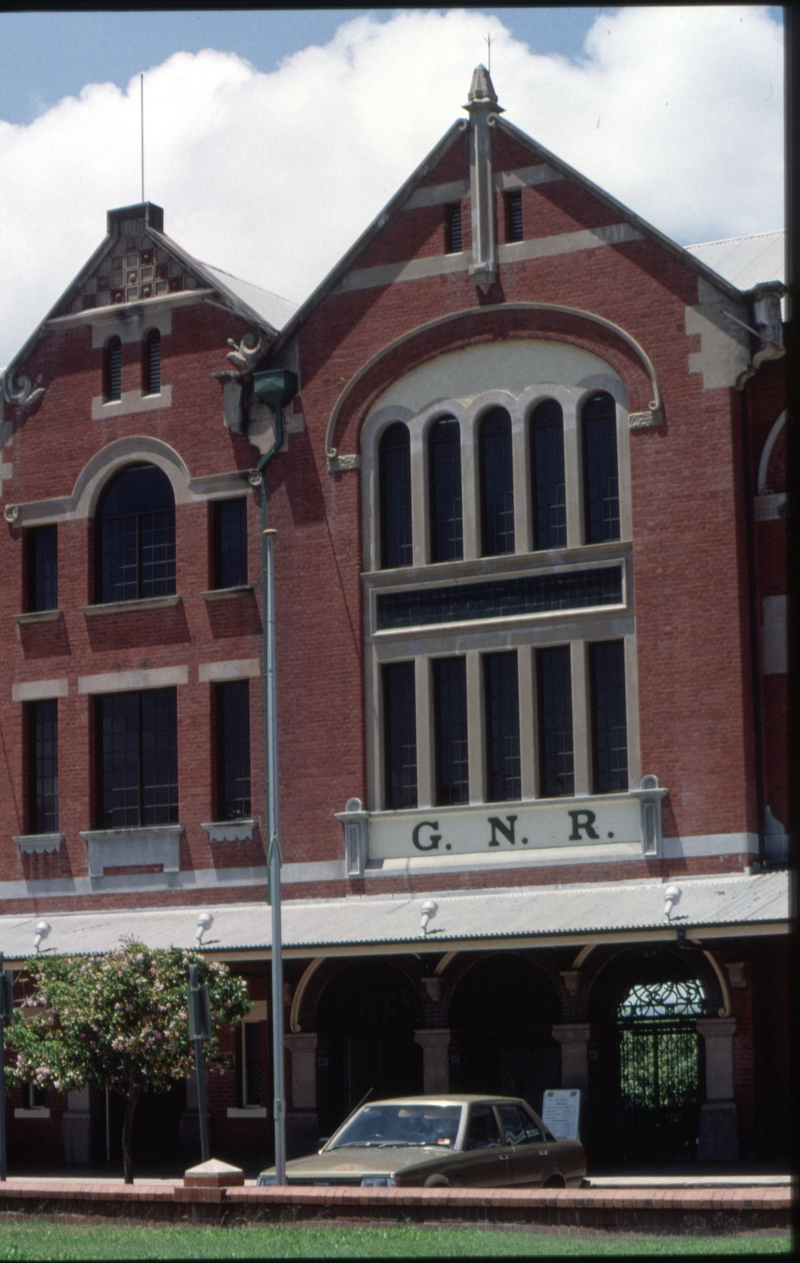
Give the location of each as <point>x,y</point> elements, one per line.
<point>660,1071</point>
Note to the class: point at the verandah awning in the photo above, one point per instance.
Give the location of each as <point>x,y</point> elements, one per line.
<point>531,916</point>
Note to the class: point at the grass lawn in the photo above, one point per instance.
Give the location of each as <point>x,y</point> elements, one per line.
<point>60,1241</point>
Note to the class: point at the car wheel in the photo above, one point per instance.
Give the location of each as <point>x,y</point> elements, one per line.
<point>555,1181</point>
<point>437,1181</point>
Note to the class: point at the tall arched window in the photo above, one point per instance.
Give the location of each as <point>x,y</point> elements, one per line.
<point>600,472</point>
<point>135,534</point>
<point>395,493</point>
<point>497,484</point>
<point>444,463</point>
<point>548,484</point>
<point>151,366</point>
<point>112,369</point>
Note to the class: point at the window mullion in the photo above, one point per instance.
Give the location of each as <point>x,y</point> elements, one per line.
<point>476,728</point>
<point>581,726</point>
<point>573,476</point>
<point>426,777</point>
<point>529,733</point>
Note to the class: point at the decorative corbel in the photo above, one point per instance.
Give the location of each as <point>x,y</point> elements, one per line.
<point>247,352</point>
<point>25,394</point>
<point>355,821</point>
<point>342,464</point>
<point>650,794</point>
<point>231,384</point>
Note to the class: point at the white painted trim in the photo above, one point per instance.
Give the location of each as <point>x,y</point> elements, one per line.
<point>132,326</point>
<point>144,883</point>
<point>130,681</point>
<point>43,1113</point>
<point>39,690</point>
<point>238,669</point>
<point>100,315</point>
<point>247,1111</point>
<point>710,844</point>
<point>129,402</point>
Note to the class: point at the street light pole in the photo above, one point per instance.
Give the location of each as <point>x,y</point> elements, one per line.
<point>274,387</point>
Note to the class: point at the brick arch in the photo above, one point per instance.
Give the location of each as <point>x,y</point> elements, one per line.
<point>547,321</point>
<point>611,969</point>
<point>467,961</point>
<point>331,967</point>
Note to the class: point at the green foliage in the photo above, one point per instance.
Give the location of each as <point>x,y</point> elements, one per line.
<point>118,1020</point>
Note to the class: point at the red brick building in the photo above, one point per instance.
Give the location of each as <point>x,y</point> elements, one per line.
<point>531,656</point>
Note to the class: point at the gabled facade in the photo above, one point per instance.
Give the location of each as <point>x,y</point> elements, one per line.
<point>529,611</point>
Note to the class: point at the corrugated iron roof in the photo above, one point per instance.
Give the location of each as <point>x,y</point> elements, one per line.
<point>271,307</point>
<point>745,261</point>
<point>532,913</point>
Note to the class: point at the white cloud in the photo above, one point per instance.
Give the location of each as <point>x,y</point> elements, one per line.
<point>676,111</point>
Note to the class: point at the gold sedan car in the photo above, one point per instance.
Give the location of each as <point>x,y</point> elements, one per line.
<point>444,1142</point>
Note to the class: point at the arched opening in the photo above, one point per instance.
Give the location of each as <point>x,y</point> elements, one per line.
<point>135,537</point>
<point>548,479</point>
<point>497,484</point>
<point>395,496</point>
<point>600,468</point>
<point>649,1077</point>
<point>444,475</point>
<point>366,1020</point>
<point>502,1017</point>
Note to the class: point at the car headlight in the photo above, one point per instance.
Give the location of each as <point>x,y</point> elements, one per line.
<point>267,1179</point>
<point>378,1181</point>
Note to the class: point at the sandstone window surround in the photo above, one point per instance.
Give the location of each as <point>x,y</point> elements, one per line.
<point>522,548</point>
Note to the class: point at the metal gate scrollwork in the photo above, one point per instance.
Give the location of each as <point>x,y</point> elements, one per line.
<point>660,1071</point>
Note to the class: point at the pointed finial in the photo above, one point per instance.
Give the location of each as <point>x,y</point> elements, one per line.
<point>482,88</point>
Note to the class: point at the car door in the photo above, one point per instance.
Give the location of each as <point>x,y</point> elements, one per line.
<point>529,1146</point>
<point>485,1157</point>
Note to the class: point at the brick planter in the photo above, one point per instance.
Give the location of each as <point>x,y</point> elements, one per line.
<point>651,1210</point>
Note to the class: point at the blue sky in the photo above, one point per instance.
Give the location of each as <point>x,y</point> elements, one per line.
<point>47,56</point>
<point>273,138</point>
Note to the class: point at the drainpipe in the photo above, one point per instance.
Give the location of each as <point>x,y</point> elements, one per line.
<point>752,600</point>
<point>276,387</point>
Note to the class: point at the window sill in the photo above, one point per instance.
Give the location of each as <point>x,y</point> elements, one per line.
<point>37,616</point>
<point>121,607</point>
<point>38,843</point>
<point>143,845</point>
<point>247,1111</point>
<point>225,594</point>
<point>229,830</point>
<point>42,1112</point>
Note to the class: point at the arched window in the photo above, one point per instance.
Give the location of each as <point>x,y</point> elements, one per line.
<point>600,473</point>
<point>135,533</point>
<point>151,384</point>
<point>497,484</point>
<point>444,461</point>
<point>395,493</point>
<point>548,484</point>
<point>112,386</point>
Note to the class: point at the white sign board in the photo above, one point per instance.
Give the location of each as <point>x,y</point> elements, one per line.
<point>511,828</point>
<point>560,1110</point>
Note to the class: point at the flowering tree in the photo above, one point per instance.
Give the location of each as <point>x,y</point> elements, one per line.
<point>119,1021</point>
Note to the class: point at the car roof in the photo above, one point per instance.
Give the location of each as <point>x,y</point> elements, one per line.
<point>450,1098</point>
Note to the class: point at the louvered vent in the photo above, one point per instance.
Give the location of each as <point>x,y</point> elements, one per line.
<point>152,374</point>
<point>114,369</point>
<point>453,225</point>
<point>514,209</point>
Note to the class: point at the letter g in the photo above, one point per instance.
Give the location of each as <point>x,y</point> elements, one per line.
<point>435,838</point>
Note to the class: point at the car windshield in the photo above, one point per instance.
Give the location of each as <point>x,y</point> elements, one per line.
<point>390,1126</point>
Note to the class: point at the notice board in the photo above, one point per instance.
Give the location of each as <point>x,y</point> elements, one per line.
<point>560,1111</point>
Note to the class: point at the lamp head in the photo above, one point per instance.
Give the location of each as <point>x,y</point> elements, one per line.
<point>204,922</point>
<point>41,933</point>
<point>429,910</point>
<point>671,896</point>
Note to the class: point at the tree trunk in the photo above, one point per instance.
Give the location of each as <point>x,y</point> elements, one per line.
<point>127,1127</point>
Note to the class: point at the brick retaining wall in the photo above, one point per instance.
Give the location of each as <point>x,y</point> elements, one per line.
<point>659,1210</point>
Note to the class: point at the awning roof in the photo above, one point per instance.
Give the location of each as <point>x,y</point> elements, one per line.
<point>708,907</point>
